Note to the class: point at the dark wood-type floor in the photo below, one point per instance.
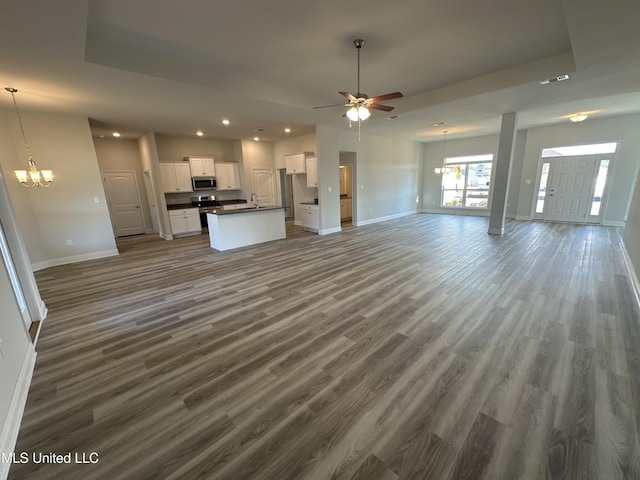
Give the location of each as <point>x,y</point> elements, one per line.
<point>418,348</point>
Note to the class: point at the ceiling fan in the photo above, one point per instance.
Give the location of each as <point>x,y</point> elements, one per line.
<point>360,103</point>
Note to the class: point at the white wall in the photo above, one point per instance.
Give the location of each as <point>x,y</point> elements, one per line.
<point>116,154</point>
<point>13,157</point>
<point>17,358</point>
<point>149,158</point>
<point>14,375</point>
<point>434,153</point>
<point>631,235</point>
<point>66,210</point>
<point>174,149</point>
<point>256,155</point>
<point>387,176</point>
<point>623,129</point>
<point>529,143</point>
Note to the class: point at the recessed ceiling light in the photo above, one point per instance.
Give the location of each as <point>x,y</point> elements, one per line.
<point>439,124</point>
<point>116,134</point>
<point>393,117</point>
<point>287,130</point>
<point>199,133</point>
<point>578,117</point>
<point>225,122</point>
<point>256,139</point>
<point>259,130</point>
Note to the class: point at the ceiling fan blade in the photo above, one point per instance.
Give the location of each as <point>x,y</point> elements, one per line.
<point>388,96</point>
<point>336,105</point>
<point>350,97</point>
<point>377,106</point>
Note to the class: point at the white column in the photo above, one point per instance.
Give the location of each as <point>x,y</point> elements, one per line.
<point>502,168</point>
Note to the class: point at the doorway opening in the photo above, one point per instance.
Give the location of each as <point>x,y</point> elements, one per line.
<point>348,191</point>
<point>572,183</point>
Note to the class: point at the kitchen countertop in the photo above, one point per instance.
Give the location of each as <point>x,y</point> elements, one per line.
<point>180,206</point>
<point>243,210</point>
<point>308,203</point>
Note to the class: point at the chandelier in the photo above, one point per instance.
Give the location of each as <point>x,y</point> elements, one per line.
<point>39,178</point>
<point>443,169</point>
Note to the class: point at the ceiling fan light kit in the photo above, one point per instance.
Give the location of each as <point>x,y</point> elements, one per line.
<point>360,104</point>
<point>578,117</point>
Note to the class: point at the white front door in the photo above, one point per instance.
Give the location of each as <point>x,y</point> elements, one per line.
<point>569,190</point>
<point>124,203</point>
<point>263,186</point>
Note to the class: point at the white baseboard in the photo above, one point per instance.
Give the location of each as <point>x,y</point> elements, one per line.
<point>613,224</point>
<point>453,211</point>
<point>42,309</point>
<point>166,236</point>
<point>327,231</point>
<point>39,266</point>
<point>73,259</point>
<point>388,217</point>
<point>11,426</point>
<point>523,217</point>
<point>632,272</point>
<point>83,257</point>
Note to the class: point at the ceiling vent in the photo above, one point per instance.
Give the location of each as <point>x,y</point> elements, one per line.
<point>559,78</point>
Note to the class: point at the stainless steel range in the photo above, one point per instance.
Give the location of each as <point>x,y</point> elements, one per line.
<point>205,204</point>
<point>209,204</point>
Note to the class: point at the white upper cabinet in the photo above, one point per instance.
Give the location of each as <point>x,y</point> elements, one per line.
<point>295,163</point>
<point>227,176</point>
<point>312,171</point>
<point>201,166</point>
<point>176,177</point>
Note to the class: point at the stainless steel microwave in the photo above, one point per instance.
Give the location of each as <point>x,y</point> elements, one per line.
<point>204,183</point>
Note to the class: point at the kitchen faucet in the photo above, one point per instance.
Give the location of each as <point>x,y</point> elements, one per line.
<point>255,202</point>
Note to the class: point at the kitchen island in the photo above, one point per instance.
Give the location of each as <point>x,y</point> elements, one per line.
<point>230,229</point>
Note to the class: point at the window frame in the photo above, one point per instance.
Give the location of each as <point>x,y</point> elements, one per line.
<point>463,163</point>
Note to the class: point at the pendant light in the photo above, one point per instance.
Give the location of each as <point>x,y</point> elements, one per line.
<point>42,178</point>
<point>443,169</point>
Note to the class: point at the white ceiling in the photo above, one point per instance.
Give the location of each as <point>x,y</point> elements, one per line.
<point>176,67</point>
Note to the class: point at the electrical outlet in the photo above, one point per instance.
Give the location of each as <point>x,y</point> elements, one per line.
<point>96,199</point>
<point>69,242</point>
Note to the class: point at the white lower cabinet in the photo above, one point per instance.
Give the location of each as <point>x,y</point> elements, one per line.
<point>185,221</point>
<point>310,217</point>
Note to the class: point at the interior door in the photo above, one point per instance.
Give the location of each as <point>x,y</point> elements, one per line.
<point>569,189</point>
<point>124,203</point>
<point>263,186</point>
